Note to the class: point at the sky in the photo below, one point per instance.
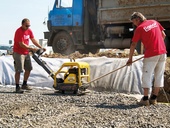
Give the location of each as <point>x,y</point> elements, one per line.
<point>13,11</point>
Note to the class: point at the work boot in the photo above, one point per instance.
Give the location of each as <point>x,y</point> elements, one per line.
<point>153,101</point>
<point>143,102</point>
<point>26,87</point>
<point>19,90</point>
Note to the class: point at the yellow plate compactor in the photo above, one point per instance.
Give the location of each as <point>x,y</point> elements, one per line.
<point>74,74</point>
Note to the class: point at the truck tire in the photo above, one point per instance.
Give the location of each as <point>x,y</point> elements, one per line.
<point>63,43</point>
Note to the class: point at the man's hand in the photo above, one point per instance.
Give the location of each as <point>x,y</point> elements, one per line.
<point>33,49</point>
<point>132,49</point>
<point>44,49</point>
<point>129,62</point>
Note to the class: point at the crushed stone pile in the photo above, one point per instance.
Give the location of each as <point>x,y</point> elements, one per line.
<point>112,53</point>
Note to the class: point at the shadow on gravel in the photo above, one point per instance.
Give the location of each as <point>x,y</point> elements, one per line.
<point>13,92</point>
<point>9,92</point>
<point>118,106</point>
<point>67,93</point>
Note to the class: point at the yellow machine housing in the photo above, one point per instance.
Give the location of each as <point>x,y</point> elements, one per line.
<point>74,74</point>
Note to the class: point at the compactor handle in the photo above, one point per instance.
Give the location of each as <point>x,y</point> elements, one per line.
<point>40,51</point>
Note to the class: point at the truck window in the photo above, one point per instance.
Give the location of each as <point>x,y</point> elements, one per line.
<point>64,3</point>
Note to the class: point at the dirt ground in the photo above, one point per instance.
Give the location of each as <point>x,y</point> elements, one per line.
<point>164,95</point>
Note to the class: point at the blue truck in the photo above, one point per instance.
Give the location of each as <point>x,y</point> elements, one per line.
<point>88,25</point>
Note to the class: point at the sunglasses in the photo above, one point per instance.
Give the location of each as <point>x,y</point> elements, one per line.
<point>27,26</point>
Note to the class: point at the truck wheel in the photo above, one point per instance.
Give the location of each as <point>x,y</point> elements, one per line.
<point>63,44</point>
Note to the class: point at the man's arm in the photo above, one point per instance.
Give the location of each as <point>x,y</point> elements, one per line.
<point>23,45</point>
<point>163,34</point>
<point>35,42</point>
<point>132,49</point>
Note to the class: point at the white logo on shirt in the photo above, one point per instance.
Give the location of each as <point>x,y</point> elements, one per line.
<point>148,28</point>
<point>26,37</point>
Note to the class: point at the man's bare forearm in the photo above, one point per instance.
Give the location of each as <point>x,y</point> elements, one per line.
<point>35,42</point>
<point>132,49</point>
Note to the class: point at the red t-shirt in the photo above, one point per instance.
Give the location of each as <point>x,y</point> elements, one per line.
<point>22,36</point>
<point>149,33</point>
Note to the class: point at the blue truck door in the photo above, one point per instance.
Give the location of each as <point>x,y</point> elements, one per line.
<point>61,15</point>
<point>78,9</point>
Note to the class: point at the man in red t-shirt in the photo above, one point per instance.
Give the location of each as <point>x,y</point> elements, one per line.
<point>22,60</point>
<point>152,35</point>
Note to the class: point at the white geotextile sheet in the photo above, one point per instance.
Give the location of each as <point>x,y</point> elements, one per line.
<point>127,79</point>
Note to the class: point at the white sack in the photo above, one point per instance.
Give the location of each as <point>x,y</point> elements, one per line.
<point>127,79</point>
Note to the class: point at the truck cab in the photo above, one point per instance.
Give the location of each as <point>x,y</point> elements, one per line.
<point>65,24</point>
<point>65,14</point>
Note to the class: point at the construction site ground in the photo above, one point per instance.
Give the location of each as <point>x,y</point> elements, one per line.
<point>43,108</point>
<point>164,95</point>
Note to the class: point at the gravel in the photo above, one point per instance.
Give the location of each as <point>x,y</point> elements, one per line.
<point>43,108</point>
